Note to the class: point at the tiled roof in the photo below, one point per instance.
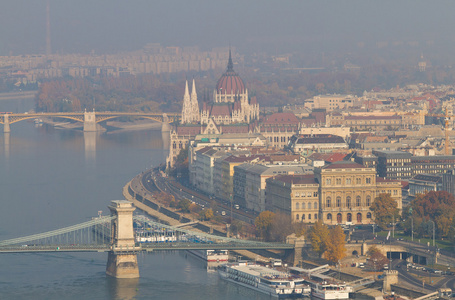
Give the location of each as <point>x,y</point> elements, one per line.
<point>344,165</point>
<point>282,118</point>
<point>297,179</point>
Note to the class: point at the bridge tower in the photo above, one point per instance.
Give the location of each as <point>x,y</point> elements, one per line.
<point>122,259</point>
<point>6,127</point>
<point>89,121</point>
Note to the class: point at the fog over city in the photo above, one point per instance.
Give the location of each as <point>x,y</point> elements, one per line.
<point>110,26</point>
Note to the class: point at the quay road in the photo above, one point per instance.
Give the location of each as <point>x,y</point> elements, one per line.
<point>152,180</point>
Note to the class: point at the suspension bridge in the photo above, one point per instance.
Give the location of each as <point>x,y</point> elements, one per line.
<point>123,235</point>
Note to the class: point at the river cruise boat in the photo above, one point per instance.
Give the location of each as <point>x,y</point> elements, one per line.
<point>266,280</point>
<point>211,255</point>
<point>327,291</point>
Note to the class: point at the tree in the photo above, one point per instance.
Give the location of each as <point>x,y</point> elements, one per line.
<point>206,214</point>
<point>184,205</point>
<point>377,259</point>
<point>335,244</point>
<point>436,206</point>
<point>385,210</point>
<point>263,223</point>
<point>281,227</point>
<point>318,235</point>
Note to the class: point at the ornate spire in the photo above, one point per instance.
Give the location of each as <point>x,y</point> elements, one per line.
<point>230,66</point>
<point>193,88</point>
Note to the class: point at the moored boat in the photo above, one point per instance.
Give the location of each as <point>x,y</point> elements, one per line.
<point>211,255</point>
<point>266,280</point>
<point>327,291</point>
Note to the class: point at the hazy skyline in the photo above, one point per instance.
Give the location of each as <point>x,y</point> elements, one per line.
<point>110,26</point>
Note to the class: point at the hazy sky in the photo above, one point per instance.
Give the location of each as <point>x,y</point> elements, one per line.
<point>113,25</point>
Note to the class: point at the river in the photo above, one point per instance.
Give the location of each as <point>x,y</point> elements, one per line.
<point>55,178</point>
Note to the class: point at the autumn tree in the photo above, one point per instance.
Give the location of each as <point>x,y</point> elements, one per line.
<point>281,227</point>
<point>318,236</point>
<point>377,259</point>
<point>184,205</point>
<point>263,223</point>
<point>206,214</point>
<point>385,210</point>
<point>436,206</point>
<point>335,244</point>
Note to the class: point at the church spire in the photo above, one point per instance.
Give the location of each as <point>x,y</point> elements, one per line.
<point>230,66</point>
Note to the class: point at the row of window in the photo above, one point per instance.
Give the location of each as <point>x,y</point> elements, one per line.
<point>349,180</point>
<point>297,217</point>
<point>307,194</point>
<point>358,201</point>
<point>339,217</point>
<point>304,205</point>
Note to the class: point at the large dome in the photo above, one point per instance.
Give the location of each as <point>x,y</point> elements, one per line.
<point>230,82</point>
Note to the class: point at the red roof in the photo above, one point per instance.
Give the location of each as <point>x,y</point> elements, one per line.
<point>282,118</point>
<point>230,82</point>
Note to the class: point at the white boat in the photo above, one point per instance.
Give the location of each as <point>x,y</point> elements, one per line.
<point>266,280</point>
<point>327,291</point>
<point>211,255</point>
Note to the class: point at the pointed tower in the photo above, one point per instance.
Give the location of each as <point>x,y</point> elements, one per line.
<point>186,107</point>
<point>195,115</point>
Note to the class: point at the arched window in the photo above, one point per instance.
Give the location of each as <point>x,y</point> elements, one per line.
<point>315,206</point>
<point>349,217</point>
<point>328,202</point>
<point>309,205</point>
<point>297,206</point>
<point>339,218</point>
<point>357,201</point>
<point>338,201</point>
<point>359,218</point>
<point>303,217</point>
<point>348,202</point>
<point>369,215</point>
<point>329,216</point>
<point>309,216</point>
<point>348,180</point>
<point>315,216</point>
<point>303,205</point>
<point>368,201</point>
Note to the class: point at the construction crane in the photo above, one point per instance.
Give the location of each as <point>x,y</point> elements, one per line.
<point>446,117</point>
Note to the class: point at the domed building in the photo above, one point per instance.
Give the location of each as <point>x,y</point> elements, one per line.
<point>230,104</point>
<point>231,111</point>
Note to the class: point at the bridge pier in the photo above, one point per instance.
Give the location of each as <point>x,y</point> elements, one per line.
<point>89,121</point>
<point>122,259</point>
<point>6,128</point>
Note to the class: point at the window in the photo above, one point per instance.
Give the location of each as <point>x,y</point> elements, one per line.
<point>297,194</point>
<point>315,216</point>
<point>297,217</point>
<point>357,201</point>
<point>309,216</point>
<point>358,180</point>
<point>328,181</point>
<point>329,216</point>
<point>315,194</point>
<point>297,205</point>
<point>309,205</point>
<point>359,218</point>
<point>348,180</point>
<point>338,181</point>
<point>315,206</point>
<point>368,201</point>
<point>303,217</point>
<point>368,180</point>
<point>308,194</point>
<point>369,215</point>
<point>348,202</point>
<point>328,202</point>
<point>349,217</point>
<point>338,201</point>
<point>303,205</point>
